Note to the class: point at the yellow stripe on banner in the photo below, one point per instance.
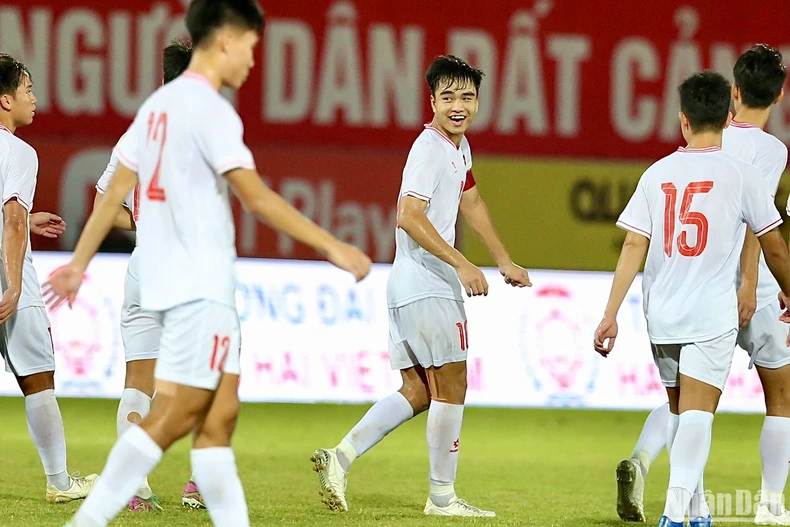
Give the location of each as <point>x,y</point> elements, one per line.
<point>558,214</point>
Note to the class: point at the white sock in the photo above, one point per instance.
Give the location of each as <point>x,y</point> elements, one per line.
<point>673,421</point>
<point>46,428</point>
<point>653,438</point>
<point>132,458</point>
<point>444,437</point>
<point>699,507</point>
<point>382,418</point>
<point>687,458</point>
<point>133,402</point>
<point>214,470</point>
<point>775,454</point>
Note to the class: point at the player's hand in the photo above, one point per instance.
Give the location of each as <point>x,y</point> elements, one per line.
<point>47,224</point>
<point>747,304</point>
<point>472,279</point>
<point>8,303</point>
<point>605,335</point>
<point>784,303</point>
<point>62,286</point>
<point>515,276</point>
<point>350,259</point>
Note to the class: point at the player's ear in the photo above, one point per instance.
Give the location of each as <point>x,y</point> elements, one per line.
<point>433,103</point>
<point>729,119</point>
<point>781,96</point>
<point>5,102</point>
<point>736,92</point>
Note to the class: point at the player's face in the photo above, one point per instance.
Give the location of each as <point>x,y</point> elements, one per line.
<point>455,107</point>
<point>240,58</point>
<point>24,104</point>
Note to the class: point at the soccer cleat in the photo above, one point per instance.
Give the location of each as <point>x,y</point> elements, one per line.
<point>79,489</point>
<point>138,504</point>
<point>630,489</point>
<point>764,516</point>
<point>456,507</point>
<point>701,521</point>
<point>666,522</point>
<point>191,497</point>
<point>332,479</point>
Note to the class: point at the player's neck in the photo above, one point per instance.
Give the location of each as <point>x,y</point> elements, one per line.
<point>7,122</point>
<point>705,140</point>
<point>455,138</point>
<point>754,116</point>
<point>206,64</point>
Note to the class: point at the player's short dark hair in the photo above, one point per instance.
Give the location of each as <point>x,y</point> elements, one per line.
<point>12,72</point>
<point>447,69</point>
<point>176,59</point>
<point>705,99</point>
<point>760,73</point>
<point>206,16</point>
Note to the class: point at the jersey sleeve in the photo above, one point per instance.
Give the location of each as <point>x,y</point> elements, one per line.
<point>771,165</point>
<point>221,141</point>
<point>422,172</point>
<point>128,147</point>
<point>20,181</point>
<point>636,215</point>
<point>104,181</point>
<point>759,210</point>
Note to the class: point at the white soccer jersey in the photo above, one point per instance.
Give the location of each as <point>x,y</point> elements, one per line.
<point>437,172</point>
<point>692,205</point>
<point>769,155</point>
<point>185,137</point>
<point>18,174</point>
<point>104,181</point>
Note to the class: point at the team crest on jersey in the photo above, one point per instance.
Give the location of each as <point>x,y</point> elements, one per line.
<point>84,340</point>
<point>555,349</point>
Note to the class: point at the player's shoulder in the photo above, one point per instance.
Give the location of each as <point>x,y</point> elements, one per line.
<point>19,148</point>
<point>775,145</point>
<point>428,143</point>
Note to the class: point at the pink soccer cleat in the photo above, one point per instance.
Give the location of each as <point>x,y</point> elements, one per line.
<point>191,497</point>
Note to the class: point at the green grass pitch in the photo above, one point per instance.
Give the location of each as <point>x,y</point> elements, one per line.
<point>533,467</point>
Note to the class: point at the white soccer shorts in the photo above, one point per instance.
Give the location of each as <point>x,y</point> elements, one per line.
<point>140,330</point>
<point>200,341</point>
<point>707,361</point>
<point>764,338</point>
<point>428,332</point>
<point>27,342</point>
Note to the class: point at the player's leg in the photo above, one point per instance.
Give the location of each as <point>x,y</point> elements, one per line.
<point>29,355</point>
<point>440,342</point>
<point>703,369</point>
<point>213,462</point>
<point>195,344</point>
<point>140,334</point>
<point>764,340</point>
<point>631,472</point>
<point>332,464</point>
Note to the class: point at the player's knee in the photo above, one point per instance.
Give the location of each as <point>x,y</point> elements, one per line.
<point>217,430</point>
<point>38,382</point>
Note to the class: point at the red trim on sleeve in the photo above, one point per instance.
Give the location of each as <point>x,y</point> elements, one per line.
<point>126,161</point>
<point>634,229</point>
<point>470,180</point>
<point>768,228</point>
<point>416,195</point>
<point>101,190</point>
<point>16,196</point>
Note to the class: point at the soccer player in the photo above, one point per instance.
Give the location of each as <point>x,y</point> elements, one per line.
<point>687,216</point>
<point>139,329</point>
<point>428,339</point>
<point>759,77</point>
<point>26,337</point>
<point>186,144</point>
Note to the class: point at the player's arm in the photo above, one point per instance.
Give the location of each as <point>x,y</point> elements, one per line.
<point>272,209</point>
<point>777,258</point>
<point>747,292</point>
<point>15,236</point>
<point>123,220</point>
<point>103,217</point>
<point>628,265</point>
<point>477,216</point>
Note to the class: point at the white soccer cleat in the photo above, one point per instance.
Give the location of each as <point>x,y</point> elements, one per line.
<point>456,507</point>
<point>332,479</point>
<point>764,516</point>
<point>79,489</point>
<point>630,491</point>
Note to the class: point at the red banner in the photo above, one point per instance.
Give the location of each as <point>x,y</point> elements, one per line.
<point>322,183</point>
<point>570,78</point>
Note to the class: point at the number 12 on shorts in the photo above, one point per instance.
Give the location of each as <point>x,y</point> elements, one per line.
<point>220,353</point>
<point>464,334</point>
